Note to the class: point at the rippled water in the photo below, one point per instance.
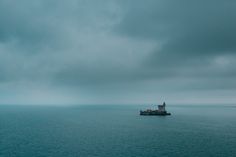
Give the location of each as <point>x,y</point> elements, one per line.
<point>119,131</point>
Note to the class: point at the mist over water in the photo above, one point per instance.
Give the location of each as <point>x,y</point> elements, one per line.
<point>116,130</point>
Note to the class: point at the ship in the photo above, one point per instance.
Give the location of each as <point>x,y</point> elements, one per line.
<point>161,111</point>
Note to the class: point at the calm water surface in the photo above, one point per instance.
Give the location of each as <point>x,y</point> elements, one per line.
<point>116,131</point>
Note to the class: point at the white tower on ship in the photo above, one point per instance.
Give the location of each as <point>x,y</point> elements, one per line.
<point>162,107</point>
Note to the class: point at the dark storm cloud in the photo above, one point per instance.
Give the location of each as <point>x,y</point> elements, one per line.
<point>86,51</point>
<point>193,36</point>
<point>188,29</point>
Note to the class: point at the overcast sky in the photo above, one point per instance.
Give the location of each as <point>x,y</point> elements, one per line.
<point>117,51</point>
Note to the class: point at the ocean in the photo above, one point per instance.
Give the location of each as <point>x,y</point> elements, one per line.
<point>117,131</point>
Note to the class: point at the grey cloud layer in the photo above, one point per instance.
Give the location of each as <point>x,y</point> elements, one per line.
<point>82,51</point>
<point>194,34</point>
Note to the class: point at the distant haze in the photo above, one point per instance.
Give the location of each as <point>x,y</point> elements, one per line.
<point>117,51</point>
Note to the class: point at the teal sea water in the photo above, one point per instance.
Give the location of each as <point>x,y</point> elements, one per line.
<point>117,131</point>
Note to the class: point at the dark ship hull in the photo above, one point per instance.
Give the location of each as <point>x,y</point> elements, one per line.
<point>161,111</point>
<point>154,113</point>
